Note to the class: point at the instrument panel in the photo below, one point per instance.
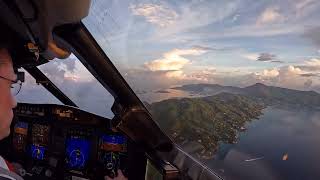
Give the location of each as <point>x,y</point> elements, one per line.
<point>61,142</point>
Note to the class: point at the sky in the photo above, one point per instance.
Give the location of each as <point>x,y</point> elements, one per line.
<point>160,44</point>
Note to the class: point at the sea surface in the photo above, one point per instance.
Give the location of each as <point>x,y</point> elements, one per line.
<point>283,144</point>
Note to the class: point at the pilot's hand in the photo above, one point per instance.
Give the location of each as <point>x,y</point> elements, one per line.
<point>119,177</point>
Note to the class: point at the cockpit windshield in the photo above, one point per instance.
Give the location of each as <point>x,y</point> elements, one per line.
<point>234,83</point>
<point>32,93</point>
<point>75,81</point>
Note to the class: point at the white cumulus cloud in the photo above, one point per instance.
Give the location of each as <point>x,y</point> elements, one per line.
<point>173,60</point>
<point>270,15</point>
<point>291,70</point>
<point>156,14</point>
<point>269,73</point>
<point>313,62</point>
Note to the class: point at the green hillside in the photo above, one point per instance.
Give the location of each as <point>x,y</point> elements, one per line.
<point>271,95</point>
<point>205,121</point>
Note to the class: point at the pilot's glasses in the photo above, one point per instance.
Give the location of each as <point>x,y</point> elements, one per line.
<point>15,85</point>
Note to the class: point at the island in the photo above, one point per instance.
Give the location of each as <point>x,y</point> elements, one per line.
<point>268,95</point>
<point>200,124</point>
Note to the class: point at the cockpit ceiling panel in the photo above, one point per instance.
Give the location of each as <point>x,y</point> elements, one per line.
<point>42,16</point>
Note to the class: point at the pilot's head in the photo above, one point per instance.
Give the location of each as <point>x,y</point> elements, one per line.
<point>7,100</point>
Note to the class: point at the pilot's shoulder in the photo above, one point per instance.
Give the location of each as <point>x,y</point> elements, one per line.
<point>3,164</point>
<point>5,173</point>
<point>8,175</point>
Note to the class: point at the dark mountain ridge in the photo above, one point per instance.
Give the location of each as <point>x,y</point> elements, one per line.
<point>270,95</point>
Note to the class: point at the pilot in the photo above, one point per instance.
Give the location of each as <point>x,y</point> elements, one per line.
<point>7,103</point>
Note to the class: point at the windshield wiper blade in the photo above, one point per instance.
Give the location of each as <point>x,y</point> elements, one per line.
<point>46,83</point>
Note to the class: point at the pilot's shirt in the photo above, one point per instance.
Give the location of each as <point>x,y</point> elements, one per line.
<point>3,163</point>
<point>5,173</point>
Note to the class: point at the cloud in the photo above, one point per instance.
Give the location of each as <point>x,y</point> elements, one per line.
<point>31,92</point>
<point>173,60</point>
<point>252,30</point>
<point>175,74</point>
<point>268,73</point>
<point>270,15</point>
<point>159,15</point>
<point>168,71</point>
<point>285,76</point>
<point>168,63</point>
<point>305,7</point>
<point>290,70</point>
<point>266,57</point>
<point>147,80</point>
<point>207,75</point>
<point>206,48</point>
<point>70,76</point>
<point>193,15</point>
<point>166,79</point>
<point>251,56</point>
<point>301,76</point>
<point>313,62</point>
<point>309,75</point>
<point>277,61</point>
<point>72,69</point>
<point>272,20</point>
<point>310,65</point>
<point>303,4</point>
